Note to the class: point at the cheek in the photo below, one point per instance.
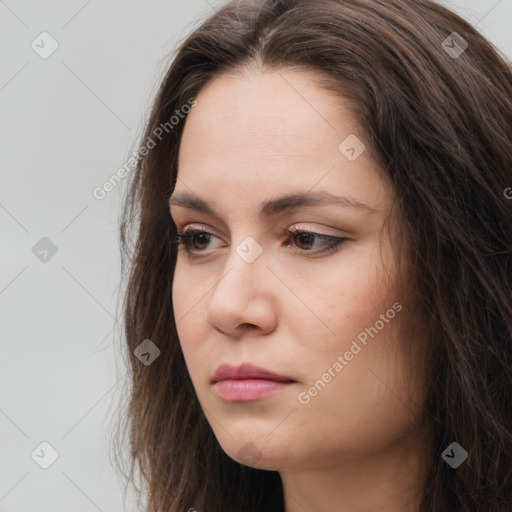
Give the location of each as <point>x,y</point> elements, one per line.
<point>339,301</point>
<point>355,303</point>
<point>360,404</point>
<point>186,301</point>
<point>188,294</point>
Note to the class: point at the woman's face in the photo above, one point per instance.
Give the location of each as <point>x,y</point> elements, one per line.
<point>251,293</point>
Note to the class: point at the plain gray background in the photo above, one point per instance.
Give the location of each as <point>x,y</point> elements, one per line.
<point>68,122</point>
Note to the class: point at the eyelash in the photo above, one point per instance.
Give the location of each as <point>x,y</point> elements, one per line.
<point>184,239</point>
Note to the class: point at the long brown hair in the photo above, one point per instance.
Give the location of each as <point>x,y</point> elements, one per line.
<point>434,102</point>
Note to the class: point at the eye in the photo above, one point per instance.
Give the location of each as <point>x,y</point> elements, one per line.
<point>329,243</point>
<point>194,237</point>
<point>195,241</point>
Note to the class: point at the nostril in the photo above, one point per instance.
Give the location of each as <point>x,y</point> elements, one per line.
<point>248,326</point>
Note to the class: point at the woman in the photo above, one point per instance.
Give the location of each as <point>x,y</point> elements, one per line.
<point>318,311</point>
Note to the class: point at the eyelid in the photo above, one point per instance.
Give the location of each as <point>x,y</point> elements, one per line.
<point>314,231</point>
<point>278,227</point>
<point>293,230</point>
<point>201,228</point>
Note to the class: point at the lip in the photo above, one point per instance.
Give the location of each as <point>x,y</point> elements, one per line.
<point>246,371</point>
<point>247,382</point>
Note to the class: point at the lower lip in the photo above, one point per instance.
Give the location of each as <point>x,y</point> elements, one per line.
<point>245,390</point>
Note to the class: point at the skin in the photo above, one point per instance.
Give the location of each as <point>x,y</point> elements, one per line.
<point>254,137</point>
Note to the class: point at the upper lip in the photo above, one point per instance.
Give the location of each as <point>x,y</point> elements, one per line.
<point>246,371</point>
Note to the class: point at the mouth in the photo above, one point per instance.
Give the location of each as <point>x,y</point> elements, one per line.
<point>247,382</point>
<point>247,390</point>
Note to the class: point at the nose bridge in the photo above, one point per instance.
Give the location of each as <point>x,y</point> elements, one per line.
<point>242,294</point>
<point>245,267</point>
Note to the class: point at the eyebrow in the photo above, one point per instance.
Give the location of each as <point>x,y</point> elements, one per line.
<point>273,206</point>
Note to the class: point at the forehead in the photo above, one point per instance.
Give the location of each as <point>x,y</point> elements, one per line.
<point>270,130</point>
<point>269,115</point>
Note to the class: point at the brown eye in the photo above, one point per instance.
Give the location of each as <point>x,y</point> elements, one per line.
<point>199,238</point>
<point>301,238</point>
<point>195,242</point>
<point>306,239</point>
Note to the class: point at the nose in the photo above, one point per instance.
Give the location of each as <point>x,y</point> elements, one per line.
<point>243,300</point>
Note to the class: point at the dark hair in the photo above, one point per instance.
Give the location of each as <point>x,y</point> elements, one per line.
<point>438,125</point>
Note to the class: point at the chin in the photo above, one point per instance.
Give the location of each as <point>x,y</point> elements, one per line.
<point>254,451</point>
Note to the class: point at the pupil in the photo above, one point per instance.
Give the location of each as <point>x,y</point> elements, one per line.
<point>307,236</point>
<point>205,239</point>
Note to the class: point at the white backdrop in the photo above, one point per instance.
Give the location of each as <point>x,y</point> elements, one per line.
<point>76,78</point>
